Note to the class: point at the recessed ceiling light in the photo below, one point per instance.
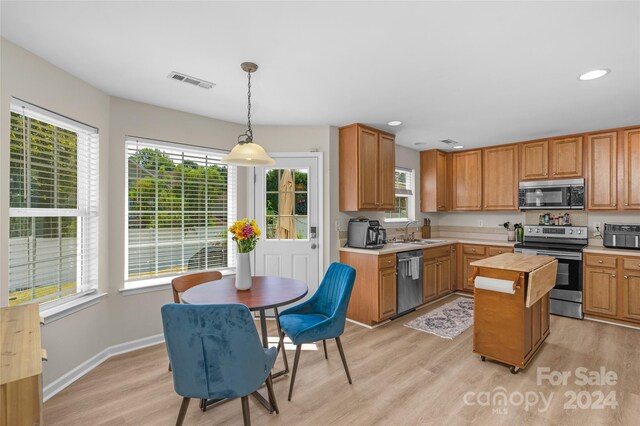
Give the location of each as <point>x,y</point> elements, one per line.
<point>394,123</point>
<point>458,146</point>
<point>592,75</point>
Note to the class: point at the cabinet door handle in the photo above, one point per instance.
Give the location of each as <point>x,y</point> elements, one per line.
<point>613,276</point>
<point>626,204</point>
<point>599,261</point>
<point>626,277</point>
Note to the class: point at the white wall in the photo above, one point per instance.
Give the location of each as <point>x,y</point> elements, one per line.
<point>74,339</point>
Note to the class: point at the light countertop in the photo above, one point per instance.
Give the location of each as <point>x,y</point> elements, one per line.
<point>398,247</point>
<point>605,250</point>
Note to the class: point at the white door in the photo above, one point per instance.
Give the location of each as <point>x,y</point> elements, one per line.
<point>287,209</point>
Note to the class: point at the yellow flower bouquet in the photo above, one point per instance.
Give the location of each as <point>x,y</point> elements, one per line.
<point>245,234</point>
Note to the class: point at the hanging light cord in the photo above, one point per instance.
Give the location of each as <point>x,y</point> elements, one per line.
<point>247,137</point>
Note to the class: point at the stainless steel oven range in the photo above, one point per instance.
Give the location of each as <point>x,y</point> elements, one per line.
<point>565,243</point>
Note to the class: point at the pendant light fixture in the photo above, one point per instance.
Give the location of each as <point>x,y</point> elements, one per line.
<point>247,152</point>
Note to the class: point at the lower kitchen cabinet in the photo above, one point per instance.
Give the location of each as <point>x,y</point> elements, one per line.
<point>386,293</point>
<point>373,298</point>
<point>600,291</point>
<point>469,253</point>
<point>437,273</point>
<point>612,291</point>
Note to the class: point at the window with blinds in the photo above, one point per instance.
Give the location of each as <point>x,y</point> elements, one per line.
<point>180,202</point>
<point>53,206</point>
<point>405,198</point>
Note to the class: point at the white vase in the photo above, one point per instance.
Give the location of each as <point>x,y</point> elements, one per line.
<point>243,271</point>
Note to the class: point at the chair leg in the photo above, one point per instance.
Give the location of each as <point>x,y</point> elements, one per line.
<point>272,395</point>
<point>324,345</point>
<point>344,360</point>
<point>295,368</point>
<point>183,411</point>
<point>281,341</point>
<point>246,418</point>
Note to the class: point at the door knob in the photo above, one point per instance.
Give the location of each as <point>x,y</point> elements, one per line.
<point>314,246</point>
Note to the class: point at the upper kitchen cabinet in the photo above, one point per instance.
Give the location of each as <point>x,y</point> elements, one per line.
<point>367,169</point>
<point>602,171</point>
<point>467,181</point>
<point>565,157</point>
<point>631,165</point>
<point>500,178</point>
<point>434,181</point>
<point>553,159</point>
<point>534,161</point>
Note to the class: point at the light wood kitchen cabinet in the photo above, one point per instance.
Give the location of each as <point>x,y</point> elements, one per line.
<point>631,295</point>
<point>373,298</point>
<point>631,166</point>
<point>467,253</point>
<point>366,169</point>
<point>602,171</point>
<point>600,291</point>
<point>434,181</point>
<point>444,275</point>
<point>611,287</point>
<point>565,157</point>
<point>467,181</point>
<point>437,272</point>
<point>500,178</point>
<point>429,279</point>
<point>387,293</point>
<point>534,160</point>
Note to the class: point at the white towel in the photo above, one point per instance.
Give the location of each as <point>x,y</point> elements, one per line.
<point>415,268</point>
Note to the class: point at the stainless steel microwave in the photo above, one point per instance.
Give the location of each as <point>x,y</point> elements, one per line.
<point>565,194</point>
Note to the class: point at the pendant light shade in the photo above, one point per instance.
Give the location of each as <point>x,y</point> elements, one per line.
<point>247,152</point>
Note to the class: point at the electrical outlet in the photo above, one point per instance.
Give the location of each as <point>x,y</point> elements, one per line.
<point>480,223</point>
<point>596,225</point>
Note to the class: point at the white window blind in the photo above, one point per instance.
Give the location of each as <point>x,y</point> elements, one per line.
<point>181,201</point>
<point>53,206</point>
<point>405,199</point>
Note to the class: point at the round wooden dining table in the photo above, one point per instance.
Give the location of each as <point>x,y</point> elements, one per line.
<point>265,293</point>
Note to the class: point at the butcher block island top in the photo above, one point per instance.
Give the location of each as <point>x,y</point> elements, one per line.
<point>514,262</point>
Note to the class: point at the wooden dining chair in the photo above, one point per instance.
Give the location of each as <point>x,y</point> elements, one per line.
<point>185,282</point>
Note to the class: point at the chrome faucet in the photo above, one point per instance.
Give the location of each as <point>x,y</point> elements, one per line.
<point>406,229</point>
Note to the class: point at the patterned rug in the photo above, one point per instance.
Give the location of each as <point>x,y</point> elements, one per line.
<point>447,321</point>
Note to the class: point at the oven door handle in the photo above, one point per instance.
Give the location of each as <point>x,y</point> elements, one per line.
<point>560,255</point>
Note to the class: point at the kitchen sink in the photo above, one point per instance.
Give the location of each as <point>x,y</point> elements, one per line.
<point>419,242</point>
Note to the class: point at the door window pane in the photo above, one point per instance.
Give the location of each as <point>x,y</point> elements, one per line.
<point>287,204</point>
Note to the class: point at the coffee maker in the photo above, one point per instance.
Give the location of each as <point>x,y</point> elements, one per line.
<point>366,234</point>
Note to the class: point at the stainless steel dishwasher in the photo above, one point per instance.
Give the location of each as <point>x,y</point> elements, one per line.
<point>409,280</point>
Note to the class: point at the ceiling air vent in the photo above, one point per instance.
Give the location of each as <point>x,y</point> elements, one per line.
<point>190,80</point>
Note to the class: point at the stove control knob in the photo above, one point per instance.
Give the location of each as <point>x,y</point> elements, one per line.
<point>571,231</point>
<point>528,229</point>
<point>579,231</point>
<point>537,230</point>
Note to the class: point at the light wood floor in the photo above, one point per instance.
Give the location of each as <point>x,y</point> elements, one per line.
<point>400,376</point>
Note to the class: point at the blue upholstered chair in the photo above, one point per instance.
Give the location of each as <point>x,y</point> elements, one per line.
<point>321,317</point>
<point>215,353</point>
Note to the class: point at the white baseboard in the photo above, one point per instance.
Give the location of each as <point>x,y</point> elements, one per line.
<point>66,379</point>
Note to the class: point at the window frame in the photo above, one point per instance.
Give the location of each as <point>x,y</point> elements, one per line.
<point>136,286</point>
<point>411,198</point>
<point>86,211</point>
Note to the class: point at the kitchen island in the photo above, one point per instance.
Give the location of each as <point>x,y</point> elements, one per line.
<point>511,307</point>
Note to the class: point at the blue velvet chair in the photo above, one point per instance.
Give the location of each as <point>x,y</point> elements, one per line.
<point>215,353</point>
<point>321,317</point>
